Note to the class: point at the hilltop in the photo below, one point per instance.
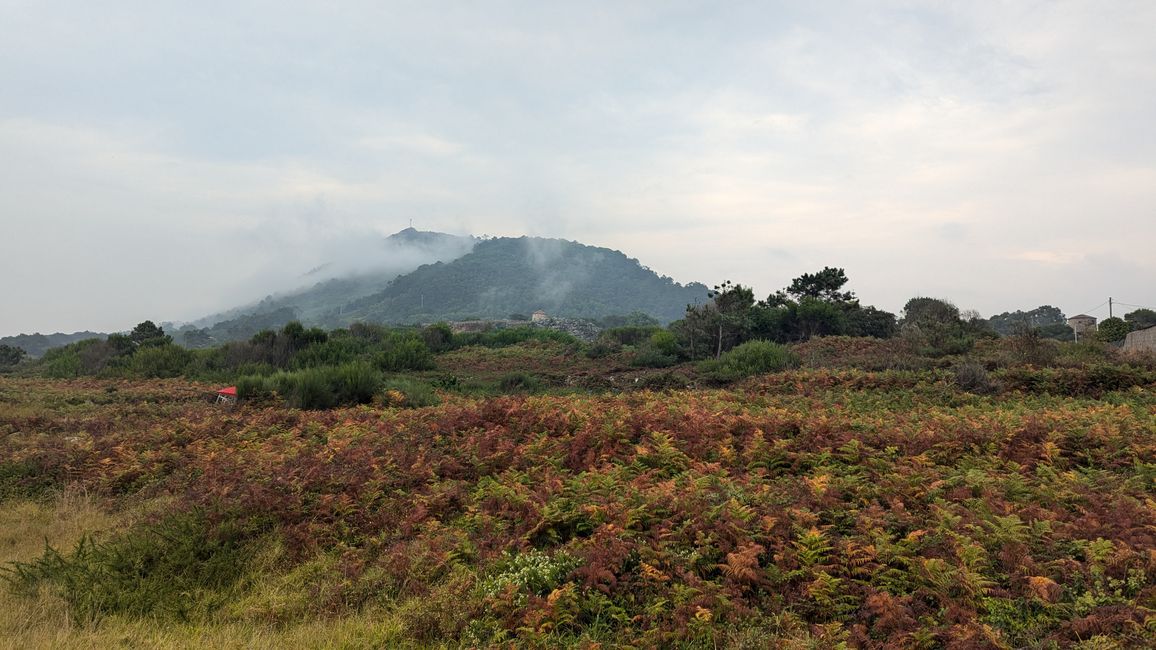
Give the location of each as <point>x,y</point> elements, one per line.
<point>429,276</point>
<point>507,275</point>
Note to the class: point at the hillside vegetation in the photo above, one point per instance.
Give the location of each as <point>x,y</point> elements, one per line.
<point>506,275</point>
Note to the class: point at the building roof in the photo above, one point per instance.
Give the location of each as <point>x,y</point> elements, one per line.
<point>1081,316</point>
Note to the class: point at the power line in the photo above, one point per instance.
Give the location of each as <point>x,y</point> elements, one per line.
<point>1087,311</point>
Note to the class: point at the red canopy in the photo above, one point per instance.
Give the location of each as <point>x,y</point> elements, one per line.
<point>230,391</point>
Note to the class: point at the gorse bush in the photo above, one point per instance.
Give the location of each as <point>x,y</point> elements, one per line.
<point>165,360</point>
<point>408,393</point>
<point>178,568</point>
<point>750,358</point>
<point>315,388</point>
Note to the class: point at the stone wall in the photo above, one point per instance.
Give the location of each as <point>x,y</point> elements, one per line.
<point>1141,340</point>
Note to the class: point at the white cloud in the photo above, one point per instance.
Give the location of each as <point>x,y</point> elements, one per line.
<point>929,149</point>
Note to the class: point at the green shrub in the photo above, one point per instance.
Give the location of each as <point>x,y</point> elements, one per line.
<point>659,350</point>
<point>648,356</point>
<point>750,358</point>
<point>164,360</point>
<point>178,568</point>
<point>438,337</point>
<point>409,393</point>
<point>254,388</point>
<point>519,381</point>
<point>311,388</point>
<point>355,383</point>
<point>399,352</point>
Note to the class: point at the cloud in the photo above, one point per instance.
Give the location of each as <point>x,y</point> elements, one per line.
<point>164,161</point>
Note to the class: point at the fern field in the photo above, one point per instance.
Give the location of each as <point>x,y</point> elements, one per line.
<point>807,509</point>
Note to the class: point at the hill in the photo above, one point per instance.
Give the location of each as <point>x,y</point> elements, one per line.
<point>506,275</point>
<point>337,284</point>
<point>36,344</point>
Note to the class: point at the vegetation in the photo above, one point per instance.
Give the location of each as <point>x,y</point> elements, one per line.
<point>505,276</point>
<point>800,471</point>
<point>812,507</point>
<point>1141,319</point>
<point>813,305</point>
<point>1111,330</point>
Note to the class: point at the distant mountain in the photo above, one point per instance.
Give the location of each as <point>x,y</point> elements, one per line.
<point>504,276</point>
<point>37,344</point>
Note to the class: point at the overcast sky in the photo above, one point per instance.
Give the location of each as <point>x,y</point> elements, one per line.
<point>163,160</point>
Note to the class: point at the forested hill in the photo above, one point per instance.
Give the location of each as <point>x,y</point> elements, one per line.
<point>36,344</point>
<point>507,276</point>
<point>335,285</point>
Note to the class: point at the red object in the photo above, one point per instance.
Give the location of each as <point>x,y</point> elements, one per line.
<point>230,391</point>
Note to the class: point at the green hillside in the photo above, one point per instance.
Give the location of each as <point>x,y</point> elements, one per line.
<point>506,275</point>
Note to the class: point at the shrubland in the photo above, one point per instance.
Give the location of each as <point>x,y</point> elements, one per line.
<point>803,508</point>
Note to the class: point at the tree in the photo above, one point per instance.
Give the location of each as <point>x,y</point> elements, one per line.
<point>10,356</point>
<point>1112,330</point>
<point>869,321</point>
<point>148,333</point>
<point>1016,322</point>
<point>824,286</point>
<point>197,338</point>
<point>929,312</point>
<point>733,304</point>
<point>1142,318</point>
<point>818,317</point>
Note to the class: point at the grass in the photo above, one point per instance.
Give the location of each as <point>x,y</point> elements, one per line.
<point>45,620</point>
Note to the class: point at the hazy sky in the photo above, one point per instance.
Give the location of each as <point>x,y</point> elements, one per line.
<point>165,159</point>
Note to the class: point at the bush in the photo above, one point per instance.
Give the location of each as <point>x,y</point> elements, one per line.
<point>254,388</point>
<point>519,381</point>
<point>355,383</point>
<point>306,389</point>
<point>750,358</point>
<point>165,360</point>
<point>973,378</point>
<point>438,337</point>
<point>648,356</point>
<point>175,569</point>
<point>1031,348</point>
<point>403,352</point>
<point>409,393</point>
<point>631,334</point>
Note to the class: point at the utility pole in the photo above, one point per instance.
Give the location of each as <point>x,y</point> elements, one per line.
<point>1109,306</point>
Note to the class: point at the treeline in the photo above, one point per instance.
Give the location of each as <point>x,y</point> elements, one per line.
<point>813,305</point>
<point>308,367</point>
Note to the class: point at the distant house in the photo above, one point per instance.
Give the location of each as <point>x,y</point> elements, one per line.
<point>538,316</point>
<point>1141,340</point>
<point>1081,324</point>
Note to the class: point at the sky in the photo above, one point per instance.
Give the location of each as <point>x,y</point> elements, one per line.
<point>163,160</point>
